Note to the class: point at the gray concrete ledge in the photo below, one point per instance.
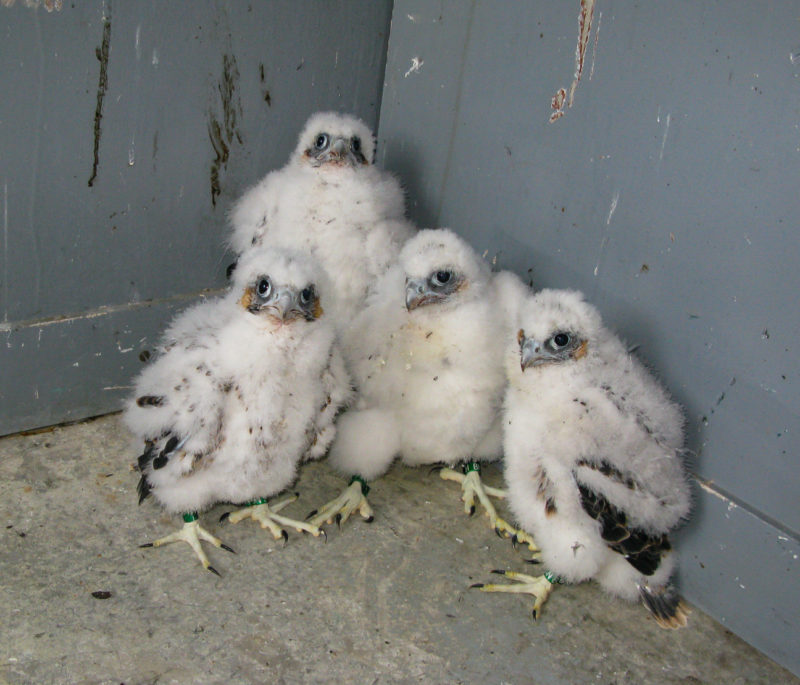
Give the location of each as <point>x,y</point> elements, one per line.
<point>381,603</point>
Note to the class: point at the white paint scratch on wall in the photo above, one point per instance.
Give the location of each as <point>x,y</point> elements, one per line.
<point>416,65</point>
<point>664,138</point>
<point>594,47</point>
<point>707,487</point>
<point>5,250</point>
<point>154,60</point>
<point>613,208</point>
<point>600,257</point>
<point>137,44</point>
<point>584,30</point>
<point>123,351</point>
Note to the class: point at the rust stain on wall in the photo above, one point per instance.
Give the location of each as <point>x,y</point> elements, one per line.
<point>224,132</point>
<point>584,30</point>
<point>102,86</point>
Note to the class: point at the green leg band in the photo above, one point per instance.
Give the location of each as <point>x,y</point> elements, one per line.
<point>256,502</point>
<point>471,466</point>
<point>191,516</point>
<point>364,486</point>
<point>553,578</point>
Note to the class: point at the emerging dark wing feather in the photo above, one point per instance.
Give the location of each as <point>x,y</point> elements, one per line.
<point>641,550</point>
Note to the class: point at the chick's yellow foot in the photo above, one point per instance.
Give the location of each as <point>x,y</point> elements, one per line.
<point>353,498</point>
<point>267,516</point>
<point>472,486</point>
<point>192,533</point>
<point>538,586</point>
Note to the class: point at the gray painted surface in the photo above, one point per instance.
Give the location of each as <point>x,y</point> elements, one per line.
<point>668,193</point>
<point>129,130</point>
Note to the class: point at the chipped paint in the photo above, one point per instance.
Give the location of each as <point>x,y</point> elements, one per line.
<point>102,85</point>
<point>594,47</point>
<point>584,30</point>
<point>664,137</point>
<point>416,65</point>
<point>557,104</point>
<point>125,350</point>
<point>10,327</point>
<point>613,208</point>
<point>707,487</point>
<point>49,5</point>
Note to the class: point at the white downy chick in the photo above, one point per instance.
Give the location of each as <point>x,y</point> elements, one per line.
<point>426,355</point>
<point>332,201</point>
<point>245,387</point>
<point>593,456</point>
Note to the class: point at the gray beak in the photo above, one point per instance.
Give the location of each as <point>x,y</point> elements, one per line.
<point>417,293</point>
<point>533,353</point>
<point>339,147</point>
<point>284,305</point>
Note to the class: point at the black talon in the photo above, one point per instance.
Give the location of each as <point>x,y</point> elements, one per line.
<point>532,560</point>
<point>472,510</point>
<point>369,519</point>
<point>214,571</point>
<point>285,537</point>
<point>146,544</point>
<point>499,533</point>
<point>339,520</point>
<point>514,540</point>
<point>228,549</point>
<point>498,571</point>
<point>224,516</point>
<point>310,514</point>
<point>324,535</point>
<point>435,468</point>
<point>476,585</point>
<point>535,615</point>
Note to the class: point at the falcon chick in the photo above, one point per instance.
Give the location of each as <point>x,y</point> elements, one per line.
<point>245,386</point>
<point>592,457</point>
<point>426,354</point>
<point>332,201</point>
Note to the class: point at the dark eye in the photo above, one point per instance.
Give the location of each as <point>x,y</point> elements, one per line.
<point>442,277</point>
<point>355,144</point>
<point>561,339</point>
<point>307,294</point>
<point>263,287</point>
<point>321,142</point>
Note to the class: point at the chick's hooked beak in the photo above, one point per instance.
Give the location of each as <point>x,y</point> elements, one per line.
<point>530,352</point>
<point>418,293</point>
<point>287,304</point>
<point>339,152</point>
<point>533,353</point>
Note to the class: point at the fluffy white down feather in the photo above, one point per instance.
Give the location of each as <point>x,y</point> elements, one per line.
<point>603,408</point>
<point>247,396</point>
<point>430,380</point>
<point>350,218</point>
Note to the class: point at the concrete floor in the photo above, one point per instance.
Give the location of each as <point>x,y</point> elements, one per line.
<point>381,603</point>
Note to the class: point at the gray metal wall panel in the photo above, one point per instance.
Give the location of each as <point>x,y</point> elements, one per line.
<point>201,99</point>
<point>667,193</point>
